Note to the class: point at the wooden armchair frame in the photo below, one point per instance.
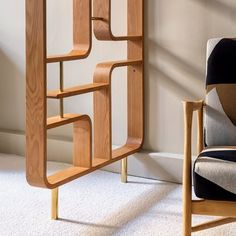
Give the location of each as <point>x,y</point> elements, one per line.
<point>225,209</point>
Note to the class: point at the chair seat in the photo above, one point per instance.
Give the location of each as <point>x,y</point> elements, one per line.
<point>214,174</point>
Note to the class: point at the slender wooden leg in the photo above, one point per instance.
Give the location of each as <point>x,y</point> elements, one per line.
<point>187,222</point>
<point>54,209</point>
<point>187,205</point>
<point>124,170</point>
<point>187,172</point>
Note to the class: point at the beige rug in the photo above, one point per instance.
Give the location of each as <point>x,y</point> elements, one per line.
<point>96,205</point>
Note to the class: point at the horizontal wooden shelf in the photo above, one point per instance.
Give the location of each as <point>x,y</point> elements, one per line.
<point>71,56</point>
<point>123,38</point>
<point>98,161</point>
<point>130,62</point>
<point>104,69</point>
<point>68,173</point>
<point>125,150</point>
<point>56,121</point>
<point>128,37</point>
<point>74,172</point>
<point>57,94</point>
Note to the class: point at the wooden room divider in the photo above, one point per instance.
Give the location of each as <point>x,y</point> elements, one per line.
<point>37,122</point>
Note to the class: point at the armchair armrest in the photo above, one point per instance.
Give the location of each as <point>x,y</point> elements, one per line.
<point>189,108</point>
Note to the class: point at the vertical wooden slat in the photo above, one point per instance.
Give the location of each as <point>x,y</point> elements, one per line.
<point>82,24</point>
<point>61,88</point>
<point>187,171</point>
<point>135,73</point>
<point>82,139</point>
<point>36,92</point>
<point>102,124</point>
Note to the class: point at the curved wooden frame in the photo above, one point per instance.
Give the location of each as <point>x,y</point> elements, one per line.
<point>102,23</point>
<point>82,28</point>
<point>102,108</point>
<point>201,207</point>
<point>37,122</point>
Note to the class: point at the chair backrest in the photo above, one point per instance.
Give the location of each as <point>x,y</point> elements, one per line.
<point>220,115</point>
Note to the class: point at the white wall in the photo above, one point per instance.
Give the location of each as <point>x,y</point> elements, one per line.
<point>176,36</point>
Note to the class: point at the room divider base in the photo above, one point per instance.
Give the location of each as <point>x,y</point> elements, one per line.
<point>85,160</point>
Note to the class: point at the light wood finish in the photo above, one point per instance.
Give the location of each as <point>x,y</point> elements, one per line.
<point>37,122</point>
<point>201,207</point>
<point>135,74</point>
<point>82,28</point>
<point>57,121</point>
<point>67,175</point>
<point>102,21</point>
<point>200,140</point>
<point>187,180</point>
<point>54,205</point>
<point>124,170</point>
<point>77,90</point>
<point>215,208</point>
<point>72,173</point>
<point>61,89</point>
<point>83,143</point>
<point>102,109</point>
<point>212,224</point>
<point>36,92</point>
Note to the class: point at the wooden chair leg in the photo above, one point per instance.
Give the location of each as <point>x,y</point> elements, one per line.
<point>124,163</point>
<point>187,222</point>
<point>54,206</point>
<point>187,207</point>
<point>187,170</point>
<point>187,204</point>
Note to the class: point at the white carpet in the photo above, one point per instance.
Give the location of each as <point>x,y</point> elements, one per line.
<point>96,205</point>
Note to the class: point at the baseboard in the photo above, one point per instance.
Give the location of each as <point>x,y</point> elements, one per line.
<point>154,165</point>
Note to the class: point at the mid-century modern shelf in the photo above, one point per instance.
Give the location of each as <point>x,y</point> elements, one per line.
<point>37,122</point>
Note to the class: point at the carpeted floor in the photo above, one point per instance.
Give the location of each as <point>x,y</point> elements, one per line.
<point>96,205</point>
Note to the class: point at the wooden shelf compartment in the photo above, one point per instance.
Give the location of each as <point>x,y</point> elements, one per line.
<point>82,33</point>
<point>103,107</point>
<point>69,174</point>
<point>74,172</point>
<point>57,121</point>
<point>71,56</point>
<point>102,24</point>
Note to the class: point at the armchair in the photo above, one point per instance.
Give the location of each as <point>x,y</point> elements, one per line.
<point>214,170</point>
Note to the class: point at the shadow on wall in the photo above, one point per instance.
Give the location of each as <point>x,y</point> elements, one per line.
<point>165,70</point>
<point>12,93</point>
<point>221,6</point>
<point>176,84</point>
<point>175,47</point>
